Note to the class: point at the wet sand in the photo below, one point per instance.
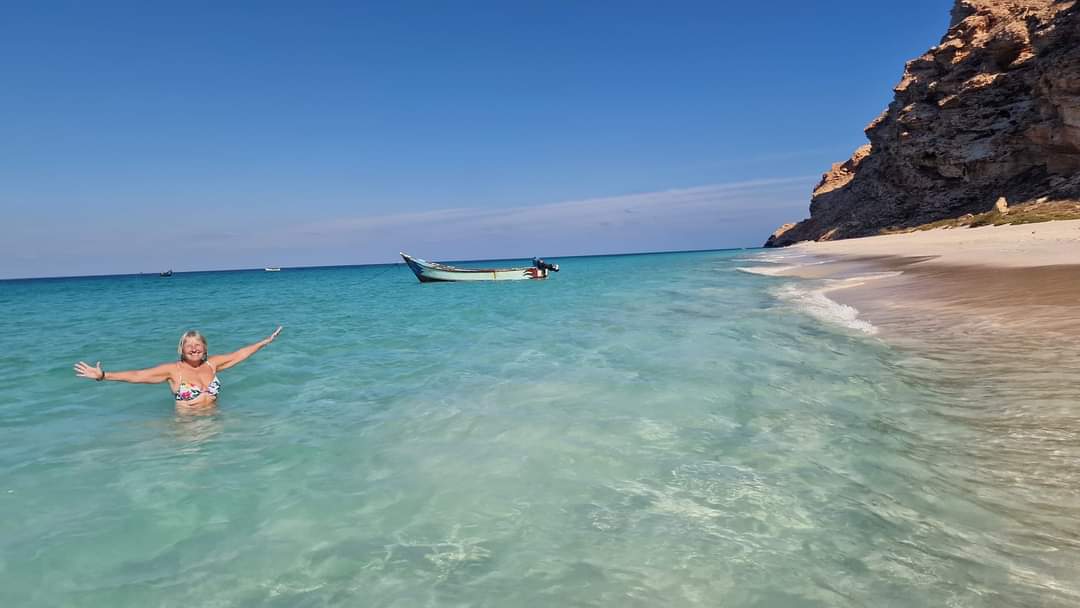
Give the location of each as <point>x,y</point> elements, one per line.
<point>1007,328</point>
<point>972,286</point>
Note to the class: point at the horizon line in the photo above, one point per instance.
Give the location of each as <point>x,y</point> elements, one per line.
<point>263,269</point>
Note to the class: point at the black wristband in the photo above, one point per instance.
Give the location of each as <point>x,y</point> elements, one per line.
<point>102,376</point>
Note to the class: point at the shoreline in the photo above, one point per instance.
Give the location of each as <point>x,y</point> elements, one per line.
<point>1014,287</point>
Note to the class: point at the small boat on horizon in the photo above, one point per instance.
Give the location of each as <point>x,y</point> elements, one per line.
<point>272,269</point>
<point>433,272</point>
<point>167,273</point>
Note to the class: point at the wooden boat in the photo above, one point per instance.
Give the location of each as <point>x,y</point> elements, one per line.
<point>431,272</point>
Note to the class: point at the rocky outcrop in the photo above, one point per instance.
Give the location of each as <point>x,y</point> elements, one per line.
<point>778,234</point>
<point>992,111</point>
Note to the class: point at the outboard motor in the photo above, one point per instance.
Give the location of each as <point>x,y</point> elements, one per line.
<point>542,265</point>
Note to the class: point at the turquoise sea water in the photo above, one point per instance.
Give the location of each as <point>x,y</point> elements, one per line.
<point>654,430</point>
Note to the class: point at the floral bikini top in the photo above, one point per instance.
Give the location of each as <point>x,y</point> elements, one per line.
<point>189,392</point>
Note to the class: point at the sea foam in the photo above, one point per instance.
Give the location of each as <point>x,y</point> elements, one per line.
<point>815,303</point>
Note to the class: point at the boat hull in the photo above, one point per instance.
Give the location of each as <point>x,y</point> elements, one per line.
<point>430,272</point>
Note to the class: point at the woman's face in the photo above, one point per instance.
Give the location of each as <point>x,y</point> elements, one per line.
<point>194,350</point>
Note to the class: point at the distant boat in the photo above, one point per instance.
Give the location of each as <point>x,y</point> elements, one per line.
<point>167,273</point>
<point>431,272</point>
<point>272,269</point>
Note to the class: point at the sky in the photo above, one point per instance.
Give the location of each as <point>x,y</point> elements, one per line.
<point>139,137</point>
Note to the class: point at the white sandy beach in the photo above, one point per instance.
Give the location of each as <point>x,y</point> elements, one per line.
<point>1026,245</point>
<point>1012,287</point>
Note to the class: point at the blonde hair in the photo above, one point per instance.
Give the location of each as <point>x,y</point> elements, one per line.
<point>191,335</point>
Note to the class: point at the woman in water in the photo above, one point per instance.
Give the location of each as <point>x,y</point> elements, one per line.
<point>193,378</point>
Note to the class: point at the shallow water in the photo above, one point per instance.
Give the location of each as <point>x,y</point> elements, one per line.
<point>656,430</point>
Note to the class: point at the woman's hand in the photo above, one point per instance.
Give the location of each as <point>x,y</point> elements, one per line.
<point>84,370</point>
<point>274,335</point>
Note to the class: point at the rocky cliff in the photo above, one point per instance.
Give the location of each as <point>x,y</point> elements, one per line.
<point>992,111</point>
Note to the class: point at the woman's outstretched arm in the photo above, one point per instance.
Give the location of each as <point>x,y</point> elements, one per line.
<point>231,359</point>
<point>150,375</point>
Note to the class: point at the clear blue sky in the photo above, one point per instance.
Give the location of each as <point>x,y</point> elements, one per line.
<point>217,135</point>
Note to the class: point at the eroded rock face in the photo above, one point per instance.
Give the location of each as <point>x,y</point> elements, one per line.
<point>992,111</point>
<point>778,234</point>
